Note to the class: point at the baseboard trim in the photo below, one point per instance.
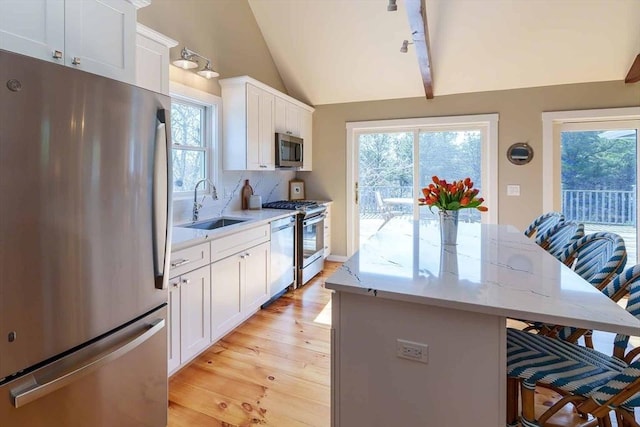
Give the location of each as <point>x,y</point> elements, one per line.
<point>337,258</point>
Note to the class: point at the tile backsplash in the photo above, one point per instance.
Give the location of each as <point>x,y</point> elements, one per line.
<point>271,185</point>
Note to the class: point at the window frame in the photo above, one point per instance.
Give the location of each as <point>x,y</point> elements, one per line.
<point>212,132</point>
<point>553,122</point>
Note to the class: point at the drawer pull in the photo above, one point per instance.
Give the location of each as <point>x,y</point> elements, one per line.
<point>186,281</point>
<point>179,262</point>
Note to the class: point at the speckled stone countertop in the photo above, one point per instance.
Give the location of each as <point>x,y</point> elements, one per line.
<point>494,269</point>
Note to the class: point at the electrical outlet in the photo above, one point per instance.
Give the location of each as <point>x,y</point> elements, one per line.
<point>413,351</point>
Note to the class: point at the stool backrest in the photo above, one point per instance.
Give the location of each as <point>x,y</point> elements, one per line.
<point>542,224</point>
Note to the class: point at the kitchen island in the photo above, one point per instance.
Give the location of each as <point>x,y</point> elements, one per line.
<point>419,329</point>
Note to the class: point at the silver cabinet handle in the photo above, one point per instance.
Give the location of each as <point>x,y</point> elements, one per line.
<point>247,254</point>
<point>263,166</point>
<point>179,262</point>
<point>76,60</point>
<point>36,390</point>
<point>57,54</point>
<point>186,281</point>
<point>175,284</point>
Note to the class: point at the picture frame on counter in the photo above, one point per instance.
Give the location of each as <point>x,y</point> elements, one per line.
<point>296,189</point>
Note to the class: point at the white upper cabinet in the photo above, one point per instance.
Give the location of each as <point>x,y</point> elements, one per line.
<point>152,59</point>
<point>34,28</point>
<point>252,114</point>
<point>306,133</point>
<point>97,36</point>
<point>247,116</point>
<point>287,118</point>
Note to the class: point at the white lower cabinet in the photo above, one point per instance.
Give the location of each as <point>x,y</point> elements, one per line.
<point>207,300</point>
<point>189,316</point>
<point>239,286</point>
<point>257,278</point>
<point>226,311</point>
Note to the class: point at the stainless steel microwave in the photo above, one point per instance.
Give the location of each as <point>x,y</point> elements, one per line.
<point>288,151</point>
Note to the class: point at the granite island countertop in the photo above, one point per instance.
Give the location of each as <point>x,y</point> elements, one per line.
<point>494,269</point>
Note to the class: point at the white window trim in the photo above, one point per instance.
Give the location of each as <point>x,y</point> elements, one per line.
<point>551,122</point>
<point>214,129</point>
<point>489,124</point>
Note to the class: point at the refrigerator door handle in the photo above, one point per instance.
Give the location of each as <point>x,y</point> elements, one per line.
<point>34,390</point>
<point>162,205</point>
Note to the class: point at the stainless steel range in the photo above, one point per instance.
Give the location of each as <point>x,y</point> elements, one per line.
<point>309,236</point>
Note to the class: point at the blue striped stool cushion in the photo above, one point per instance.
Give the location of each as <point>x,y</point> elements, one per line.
<point>542,224</point>
<point>537,359</point>
<point>562,235</point>
<point>575,369</point>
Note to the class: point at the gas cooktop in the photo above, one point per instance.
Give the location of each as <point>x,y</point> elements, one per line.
<point>291,204</point>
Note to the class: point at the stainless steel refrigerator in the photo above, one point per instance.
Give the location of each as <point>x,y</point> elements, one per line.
<point>84,238</point>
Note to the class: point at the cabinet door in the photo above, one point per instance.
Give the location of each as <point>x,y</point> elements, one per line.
<point>173,325</point>
<point>253,127</point>
<point>195,312</point>
<point>306,123</point>
<point>256,280</point>
<point>152,64</point>
<point>267,135</point>
<point>33,28</point>
<point>327,232</point>
<point>280,115</point>
<point>293,119</point>
<point>100,37</point>
<point>226,311</point>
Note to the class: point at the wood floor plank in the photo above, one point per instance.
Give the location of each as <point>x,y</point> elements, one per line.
<point>298,369</point>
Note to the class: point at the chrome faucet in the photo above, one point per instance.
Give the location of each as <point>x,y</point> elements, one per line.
<point>196,204</point>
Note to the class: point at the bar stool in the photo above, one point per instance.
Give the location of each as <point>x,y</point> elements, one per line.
<point>542,224</point>
<point>595,382</point>
<point>560,236</point>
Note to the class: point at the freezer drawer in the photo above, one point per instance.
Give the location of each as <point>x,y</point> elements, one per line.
<point>120,380</point>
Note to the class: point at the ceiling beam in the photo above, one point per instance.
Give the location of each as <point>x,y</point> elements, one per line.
<point>417,14</point>
<point>634,72</point>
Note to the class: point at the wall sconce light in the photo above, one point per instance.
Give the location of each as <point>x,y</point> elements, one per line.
<point>392,6</point>
<point>188,61</point>
<point>405,45</point>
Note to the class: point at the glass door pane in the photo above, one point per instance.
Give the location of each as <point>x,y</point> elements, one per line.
<point>451,155</point>
<point>599,182</point>
<point>385,180</point>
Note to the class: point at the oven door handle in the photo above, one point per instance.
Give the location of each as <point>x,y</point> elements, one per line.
<point>313,220</point>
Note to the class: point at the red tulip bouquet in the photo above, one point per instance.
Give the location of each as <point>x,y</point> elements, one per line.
<point>451,196</point>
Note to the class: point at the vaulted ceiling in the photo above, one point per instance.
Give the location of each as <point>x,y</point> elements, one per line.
<point>335,51</point>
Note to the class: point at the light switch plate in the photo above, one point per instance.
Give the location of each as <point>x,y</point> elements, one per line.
<point>513,190</point>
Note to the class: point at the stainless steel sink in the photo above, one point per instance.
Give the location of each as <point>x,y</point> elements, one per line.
<point>212,224</point>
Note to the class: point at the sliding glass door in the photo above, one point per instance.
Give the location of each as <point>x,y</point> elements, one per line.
<point>393,166</point>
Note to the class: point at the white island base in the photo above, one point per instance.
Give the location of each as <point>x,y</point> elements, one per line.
<point>457,386</point>
<point>403,285</point>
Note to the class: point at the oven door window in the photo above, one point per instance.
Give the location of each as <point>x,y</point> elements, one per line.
<point>312,238</point>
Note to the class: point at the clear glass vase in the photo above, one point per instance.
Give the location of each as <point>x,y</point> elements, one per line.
<point>448,227</point>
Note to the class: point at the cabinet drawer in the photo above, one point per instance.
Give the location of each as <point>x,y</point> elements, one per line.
<point>233,243</point>
<point>189,259</point>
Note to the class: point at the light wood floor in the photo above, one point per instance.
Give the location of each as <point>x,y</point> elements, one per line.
<point>274,370</point>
